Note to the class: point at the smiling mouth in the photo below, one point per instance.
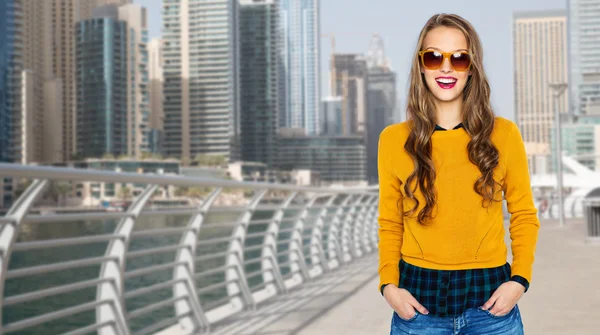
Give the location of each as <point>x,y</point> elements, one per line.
<point>446,83</point>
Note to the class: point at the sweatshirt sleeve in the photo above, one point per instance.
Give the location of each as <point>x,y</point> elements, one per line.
<point>524,223</point>
<point>390,220</point>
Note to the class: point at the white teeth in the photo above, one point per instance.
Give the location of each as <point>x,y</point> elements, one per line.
<point>446,81</point>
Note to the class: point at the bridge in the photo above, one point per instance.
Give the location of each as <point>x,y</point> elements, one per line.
<point>284,260</point>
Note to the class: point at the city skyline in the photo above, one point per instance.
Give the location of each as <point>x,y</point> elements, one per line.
<point>399,24</point>
<point>202,90</point>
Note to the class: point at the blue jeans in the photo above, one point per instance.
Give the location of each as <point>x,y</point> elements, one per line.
<point>474,321</point>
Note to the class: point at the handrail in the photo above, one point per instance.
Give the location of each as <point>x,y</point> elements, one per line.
<point>190,270</point>
<point>60,173</point>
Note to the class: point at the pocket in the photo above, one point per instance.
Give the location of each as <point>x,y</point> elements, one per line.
<point>413,318</point>
<point>512,311</point>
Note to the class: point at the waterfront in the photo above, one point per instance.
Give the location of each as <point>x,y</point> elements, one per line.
<point>215,226</point>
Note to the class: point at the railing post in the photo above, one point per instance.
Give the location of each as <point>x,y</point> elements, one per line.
<point>296,251</point>
<point>359,227</point>
<point>368,224</point>
<point>270,264</point>
<point>349,249</point>
<point>317,251</point>
<point>373,224</point>
<point>114,270</point>
<point>186,272</point>
<point>334,246</point>
<point>235,258</point>
<point>8,233</point>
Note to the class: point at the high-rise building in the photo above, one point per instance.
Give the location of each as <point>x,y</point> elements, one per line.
<point>138,91</point>
<point>381,96</point>
<point>64,15</point>
<point>157,117</point>
<point>381,101</point>
<point>381,84</point>
<point>584,54</point>
<point>102,99</point>
<point>301,52</point>
<point>112,82</point>
<point>11,48</point>
<point>331,117</point>
<point>10,64</point>
<point>31,121</point>
<point>201,61</point>
<point>337,159</point>
<point>260,50</point>
<point>580,139</point>
<point>540,58</point>
<point>380,113</point>
<point>351,84</point>
<point>24,55</point>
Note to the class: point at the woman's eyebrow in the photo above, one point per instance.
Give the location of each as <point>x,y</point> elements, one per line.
<point>441,50</point>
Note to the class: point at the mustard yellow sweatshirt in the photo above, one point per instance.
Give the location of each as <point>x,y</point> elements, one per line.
<point>463,233</point>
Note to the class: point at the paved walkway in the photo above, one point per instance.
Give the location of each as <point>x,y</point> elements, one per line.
<point>564,297</point>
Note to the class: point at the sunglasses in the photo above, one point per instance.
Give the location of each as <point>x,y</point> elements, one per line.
<point>433,60</point>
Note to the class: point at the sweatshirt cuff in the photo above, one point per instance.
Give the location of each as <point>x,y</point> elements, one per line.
<point>382,287</point>
<point>517,279</point>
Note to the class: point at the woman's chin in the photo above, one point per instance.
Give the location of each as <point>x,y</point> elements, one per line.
<point>446,96</point>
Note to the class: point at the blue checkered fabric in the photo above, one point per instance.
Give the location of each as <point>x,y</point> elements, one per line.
<point>451,292</point>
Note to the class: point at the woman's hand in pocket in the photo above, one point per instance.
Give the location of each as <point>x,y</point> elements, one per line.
<point>402,302</point>
<point>504,298</point>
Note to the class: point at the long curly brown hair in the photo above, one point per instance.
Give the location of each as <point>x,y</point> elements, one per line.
<point>477,115</point>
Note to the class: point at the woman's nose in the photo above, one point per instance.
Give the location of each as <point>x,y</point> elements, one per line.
<point>446,67</point>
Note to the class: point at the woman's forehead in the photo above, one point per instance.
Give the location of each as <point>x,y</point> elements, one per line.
<point>445,39</point>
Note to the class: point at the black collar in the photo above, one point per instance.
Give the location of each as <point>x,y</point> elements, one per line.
<point>437,127</point>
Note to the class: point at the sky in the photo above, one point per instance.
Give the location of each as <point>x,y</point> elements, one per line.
<point>399,23</point>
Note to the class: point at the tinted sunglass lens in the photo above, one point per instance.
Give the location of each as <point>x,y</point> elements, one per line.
<point>461,61</point>
<point>432,60</point>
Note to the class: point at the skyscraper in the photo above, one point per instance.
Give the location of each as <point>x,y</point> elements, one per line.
<point>24,59</point>
<point>64,15</point>
<point>300,21</point>
<point>382,82</point>
<point>260,51</point>
<point>331,117</point>
<point>155,71</point>
<point>10,63</point>
<point>201,78</point>
<point>351,84</point>
<point>102,99</point>
<point>584,54</point>
<point>381,101</point>
<point>138,91</point>
<point>540,58</point>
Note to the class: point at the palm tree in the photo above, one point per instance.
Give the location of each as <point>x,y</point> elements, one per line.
<point>125,193</point>
<point>22,185</point>
<point>62,189</point>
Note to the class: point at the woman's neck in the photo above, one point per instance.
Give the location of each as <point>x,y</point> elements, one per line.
<point>448,113</point>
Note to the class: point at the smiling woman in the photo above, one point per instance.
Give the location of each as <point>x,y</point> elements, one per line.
<point>443,175</point>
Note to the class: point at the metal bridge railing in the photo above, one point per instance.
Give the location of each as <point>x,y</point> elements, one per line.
<point>146,269</point>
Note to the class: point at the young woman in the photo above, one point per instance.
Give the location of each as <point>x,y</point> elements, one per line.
<point>442,176</point>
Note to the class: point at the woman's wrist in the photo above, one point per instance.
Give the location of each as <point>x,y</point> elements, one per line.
<point>521,281</point>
